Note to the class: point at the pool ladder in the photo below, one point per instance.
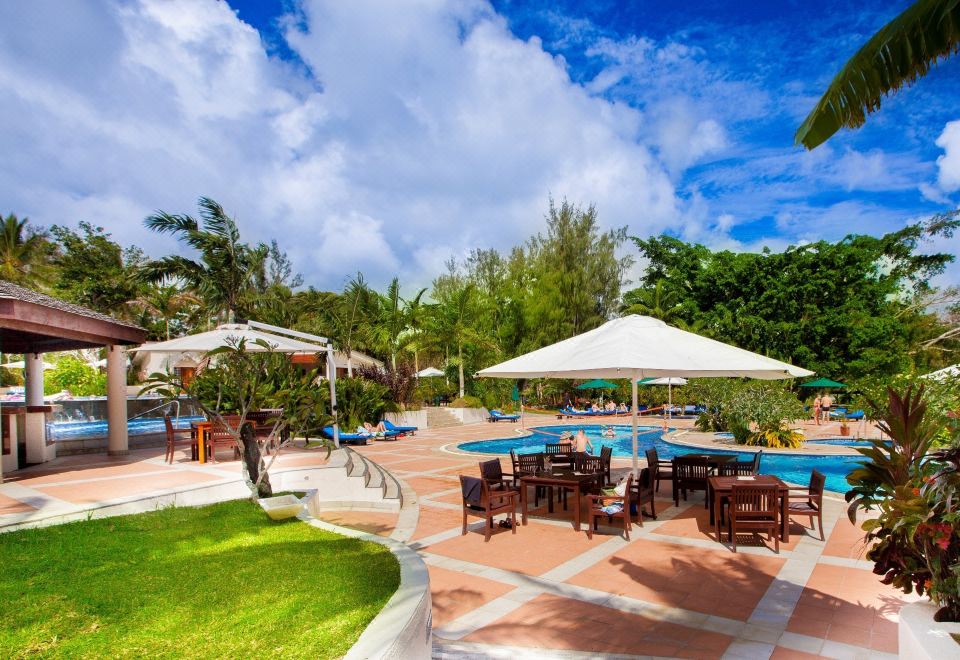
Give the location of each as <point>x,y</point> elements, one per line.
<point>176,403</point>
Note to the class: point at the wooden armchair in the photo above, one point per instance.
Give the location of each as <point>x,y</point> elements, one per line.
<point>596,503</point>
<point>690,473</point>
<point>643,493</point>
<point>808,501</point>
<point>657,469</point>
<point>530,464</point>
<point>492,473</point>
<point>219,436</point>
<point>754,509</point>
<point>480,501</point>
<point>606,455</point>
<point>173,441</point>
<point>741,468</point>
<point>560,453</point>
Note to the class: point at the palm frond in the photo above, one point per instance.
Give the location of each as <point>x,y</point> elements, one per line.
<point>165,223</point>
<point>902,51</point>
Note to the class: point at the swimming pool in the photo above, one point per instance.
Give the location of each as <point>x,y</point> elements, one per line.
<point>794,468</point>
<point>98,428</point>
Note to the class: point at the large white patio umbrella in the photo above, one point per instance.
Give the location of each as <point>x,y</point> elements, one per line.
<point>279,340</point>
<point>637,347</point>
<point>943,374</point>
<point>429,372</point>
<point>670,383</point>
<point>20,364</point>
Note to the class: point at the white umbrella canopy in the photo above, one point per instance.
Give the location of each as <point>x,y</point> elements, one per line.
<point>20,364</point>
<point>228,335</point>
<point>670,383</point>
<point>641,347</point>
<point>429,372</point>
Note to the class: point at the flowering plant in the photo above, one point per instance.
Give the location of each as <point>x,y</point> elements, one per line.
<point>914,536</point>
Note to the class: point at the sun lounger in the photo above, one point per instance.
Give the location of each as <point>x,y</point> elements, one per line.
<point>359,438</point>
<point>399,429</point>
<point>855,416</point>
<point>496,416</point>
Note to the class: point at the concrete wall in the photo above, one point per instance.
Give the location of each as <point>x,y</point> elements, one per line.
<point>416,418</point>
<point>922,638</point>
<point>469,415</point>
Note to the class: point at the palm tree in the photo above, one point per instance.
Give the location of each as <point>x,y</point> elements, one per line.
<point>226,269</point>
<point>456,322</point>
<point>349,319</point>
<point>900,53</point>
<point>23,252</point>
<point>658,302</point>
<point>418,314</point>
<point>165,302</point>
<point>390,327</point>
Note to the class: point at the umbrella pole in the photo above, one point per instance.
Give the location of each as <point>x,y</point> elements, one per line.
<point>332,379</point>
<point>633,415</point>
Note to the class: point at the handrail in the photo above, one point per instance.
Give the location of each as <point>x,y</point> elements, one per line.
<point>175,402</point>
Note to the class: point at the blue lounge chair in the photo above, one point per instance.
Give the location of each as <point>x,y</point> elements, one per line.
<point>349,438</point>
<point>496,416</point>
<point>856,416</point>
<point>390,426</point>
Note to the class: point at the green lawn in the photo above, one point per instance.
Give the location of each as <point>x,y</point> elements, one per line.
<point>221,580</point>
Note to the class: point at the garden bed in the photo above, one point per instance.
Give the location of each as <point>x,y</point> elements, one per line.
<point>220,580</point>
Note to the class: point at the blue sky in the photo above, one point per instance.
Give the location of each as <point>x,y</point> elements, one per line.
<point>388,137</point>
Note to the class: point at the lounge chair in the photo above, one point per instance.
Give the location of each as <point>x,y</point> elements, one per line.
<point>497,416</point>
<point>390,426</point>
<point>855,416</point>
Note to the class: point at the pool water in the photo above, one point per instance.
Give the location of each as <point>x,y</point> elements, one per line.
<point>794,468</point>
<point>98,428</point>
<point>842,442</point>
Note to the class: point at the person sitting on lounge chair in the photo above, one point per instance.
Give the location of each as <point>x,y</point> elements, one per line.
<point>370,428</point>
<point>623,408</point>
<point>610,407</point>
<point>594,408</point>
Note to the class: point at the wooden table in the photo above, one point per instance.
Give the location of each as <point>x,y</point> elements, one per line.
<point>198,431</point>
<point>721,487</point>
<point>559,478</point>
<point>713,460</point>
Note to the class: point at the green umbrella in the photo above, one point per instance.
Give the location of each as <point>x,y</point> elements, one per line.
<point>598,384</point>
<point>822,382</point>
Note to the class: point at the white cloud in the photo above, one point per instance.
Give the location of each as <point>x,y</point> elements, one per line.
<point>948,176</point>
<point>429,129</point>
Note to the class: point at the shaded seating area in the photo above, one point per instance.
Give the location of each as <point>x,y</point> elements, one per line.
<point>690,473</point>
<point>481,501</point>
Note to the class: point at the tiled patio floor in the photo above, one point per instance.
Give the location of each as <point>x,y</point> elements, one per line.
<point>672,590</point>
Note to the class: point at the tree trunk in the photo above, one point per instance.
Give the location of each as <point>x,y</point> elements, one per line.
<point>350,364</point>
<point>253,462</point>
<point>460,361</point>
<point>416,361</point>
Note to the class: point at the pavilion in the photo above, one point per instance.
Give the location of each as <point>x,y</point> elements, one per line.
<point>32,323</point>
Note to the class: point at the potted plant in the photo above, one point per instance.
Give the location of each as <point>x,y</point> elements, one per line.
<point>914,491</point>
<point>844,428</point>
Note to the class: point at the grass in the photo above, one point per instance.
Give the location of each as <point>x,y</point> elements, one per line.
<point>221,580</point>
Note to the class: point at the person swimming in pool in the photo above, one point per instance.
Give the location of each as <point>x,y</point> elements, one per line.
<point>609,432</point>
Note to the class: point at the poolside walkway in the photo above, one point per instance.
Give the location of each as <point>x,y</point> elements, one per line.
<point>672,590</point>
<point>547,590</point>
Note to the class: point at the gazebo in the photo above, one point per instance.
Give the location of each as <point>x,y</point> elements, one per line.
<point>33,323</point>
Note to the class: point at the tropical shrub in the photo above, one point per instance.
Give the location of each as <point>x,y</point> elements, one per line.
<point>400,382</point>
<point>777,438</point>
<point>360,400</point>
<point>756,412</point>
<point>466,402</point>
<point>73,374</point>
<point>914,492</point>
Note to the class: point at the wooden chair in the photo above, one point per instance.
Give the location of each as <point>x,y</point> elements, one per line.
<point>492,473</point>
<point>479,500</point>
<point>530,464</point>
<point>754,509</point>
<point>606,455</point>
<point>560,453</point>
<point>643,493</point>
<point>657,470</point>
<point>219,436</point>
<point>808,501</point>
<point>590,465</point>
<point>597,502</point>
<point>173,441</point>
<point>690,473</point>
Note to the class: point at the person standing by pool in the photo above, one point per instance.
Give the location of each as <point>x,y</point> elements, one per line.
<point>826,403</point>
<point>817,402</point>
<point>581,442</point>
